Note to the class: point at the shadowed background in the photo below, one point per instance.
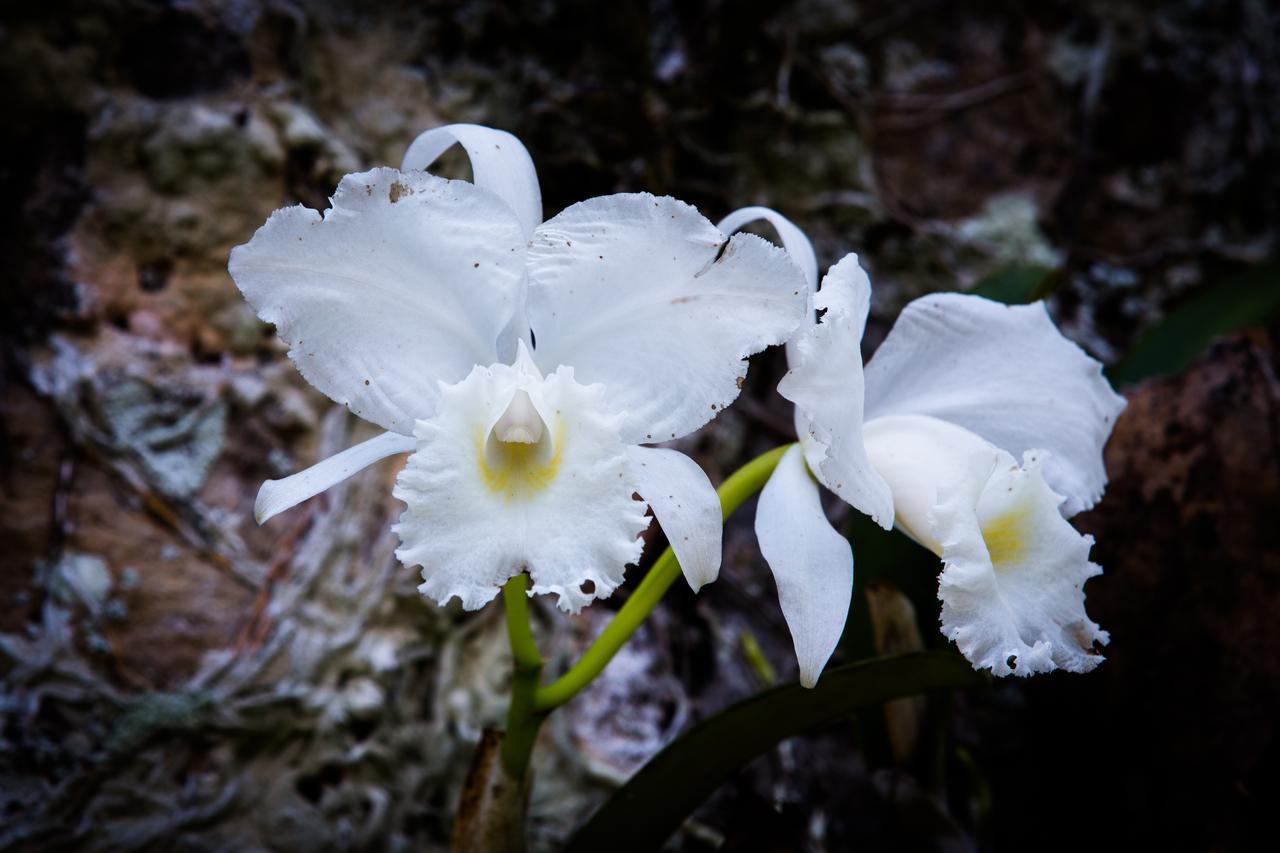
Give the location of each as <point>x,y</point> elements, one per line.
<point>176,677</point>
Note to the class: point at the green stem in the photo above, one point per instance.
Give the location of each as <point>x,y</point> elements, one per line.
<point>515,601</point>
<point>523,718</point>
<point>742,484</point>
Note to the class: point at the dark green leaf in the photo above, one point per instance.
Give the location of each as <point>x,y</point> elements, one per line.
<point>1017,285</point>
<point>644,812</point>
<point>1252,298</point>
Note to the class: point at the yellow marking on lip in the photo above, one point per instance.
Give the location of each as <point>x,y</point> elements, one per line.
<point>512,469</point>
<point>1006,535</point>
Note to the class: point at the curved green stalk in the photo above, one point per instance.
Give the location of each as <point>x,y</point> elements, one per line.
<point>742,484</point>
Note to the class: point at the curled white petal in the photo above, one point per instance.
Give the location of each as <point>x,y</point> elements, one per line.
<point>686,505</point>
<point>499,162</point>
<point>406,281</point>
<point>793,239</point>
<point>1007,374</point>
<point>1012,584</point>
<point>480,510</point>
<point>914,454</point>
<point>644,295</point>
<point>276,496</point>
<point>826,384</point>
<point>812,564</point>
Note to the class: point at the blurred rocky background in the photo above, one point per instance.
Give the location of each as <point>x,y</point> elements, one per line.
<point>175,677</point>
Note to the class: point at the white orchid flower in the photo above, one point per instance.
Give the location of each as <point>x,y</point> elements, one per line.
<point>929,439</point>
<point>522,364</point>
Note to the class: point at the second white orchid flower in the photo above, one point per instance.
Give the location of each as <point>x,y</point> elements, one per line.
<point>524,364</point>
<point>977,429</point>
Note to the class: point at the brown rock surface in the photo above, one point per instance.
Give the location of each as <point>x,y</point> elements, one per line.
<point>1175,738</point>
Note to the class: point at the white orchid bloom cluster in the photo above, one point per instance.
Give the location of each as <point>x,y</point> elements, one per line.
<point>977,429</point>
<point>524,364</point>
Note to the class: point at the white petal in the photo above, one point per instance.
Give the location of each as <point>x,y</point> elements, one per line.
<point>1012,587</point>
<point>793,239</point>
<point>276,496</point>
<point>811,563</point>
<point>499,162</point>
<point>825,382</point>
<point>1005,373</point>
<point>1014,569</point>
<point>405,282</point>
<point>480,510</point>
<point>686,505</point>
<point>644,295</point>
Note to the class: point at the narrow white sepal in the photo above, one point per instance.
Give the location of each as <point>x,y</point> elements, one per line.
<point>686,505</point>
<point>276,496</point>
<point>499,162</point>
<point>812,564</point>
